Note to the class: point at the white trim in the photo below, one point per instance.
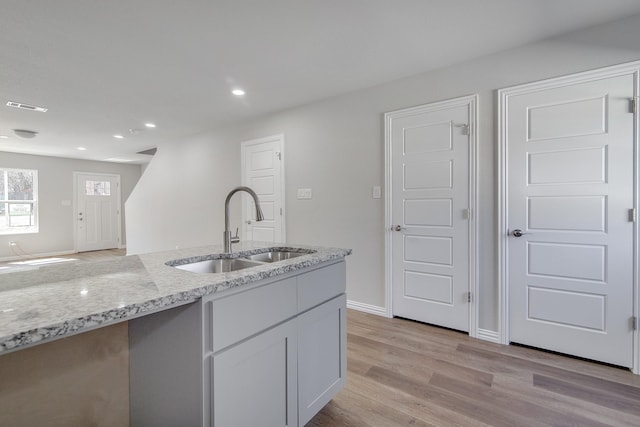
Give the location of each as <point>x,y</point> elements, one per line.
<point>472,102</point>
<point>75,205</point>
<point>367,308</point>
<point>243,147</point>
<point>632,68</point>
<point>487,335</point>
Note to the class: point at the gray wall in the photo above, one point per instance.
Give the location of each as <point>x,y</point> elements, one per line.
<point>55,184</point>
<point>336,147</point>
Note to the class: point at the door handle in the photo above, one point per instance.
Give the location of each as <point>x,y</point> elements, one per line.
<point>518,233</point>
<point>397,228</point>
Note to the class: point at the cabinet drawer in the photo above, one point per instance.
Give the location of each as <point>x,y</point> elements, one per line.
<point>242,315</point>
<point>321,285</point>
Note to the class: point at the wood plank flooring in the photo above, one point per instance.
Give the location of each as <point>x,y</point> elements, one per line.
<point>27,260</point>
<point>404,373</point>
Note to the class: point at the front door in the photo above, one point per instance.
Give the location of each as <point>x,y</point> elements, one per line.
<point>262,170</point>
<point>97,211</point>
<point>570,194</point>
<point>430,212</point>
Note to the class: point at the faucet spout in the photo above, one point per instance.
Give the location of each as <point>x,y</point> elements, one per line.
<point>227,233</point>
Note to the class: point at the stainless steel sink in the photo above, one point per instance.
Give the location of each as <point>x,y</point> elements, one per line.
<point>274,256</point>
<point>224,265</point>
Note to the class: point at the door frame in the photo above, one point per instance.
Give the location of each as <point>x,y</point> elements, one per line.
<point>472,102</point>
<point>504,94</point>
<point>243,146</point>
<point>75,206</point>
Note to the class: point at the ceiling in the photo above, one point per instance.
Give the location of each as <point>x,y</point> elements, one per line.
<point>108,67</point>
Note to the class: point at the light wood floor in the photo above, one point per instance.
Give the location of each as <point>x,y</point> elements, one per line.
<point>404,373</point>
<point>27,260</point>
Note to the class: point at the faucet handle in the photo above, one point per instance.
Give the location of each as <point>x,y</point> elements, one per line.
<point>235,239</point>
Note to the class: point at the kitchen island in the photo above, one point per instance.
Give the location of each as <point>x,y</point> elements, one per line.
<point>187,330</point>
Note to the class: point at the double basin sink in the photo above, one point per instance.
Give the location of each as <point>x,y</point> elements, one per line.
<point>225,265</point>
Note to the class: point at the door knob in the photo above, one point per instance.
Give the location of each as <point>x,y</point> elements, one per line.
<point>397,228</point>
<point>518,233</point>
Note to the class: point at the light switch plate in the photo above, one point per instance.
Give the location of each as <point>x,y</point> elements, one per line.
<point>375,193</point>
<point>304,193</point>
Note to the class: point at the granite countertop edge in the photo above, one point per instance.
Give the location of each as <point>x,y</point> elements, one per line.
<point>158,275</point>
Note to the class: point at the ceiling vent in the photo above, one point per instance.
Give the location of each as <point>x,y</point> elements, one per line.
<point>26,106</point>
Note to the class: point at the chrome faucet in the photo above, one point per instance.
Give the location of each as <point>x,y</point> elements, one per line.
<point>228,240</point>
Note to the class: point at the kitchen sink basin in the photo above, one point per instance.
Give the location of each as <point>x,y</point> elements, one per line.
<point>225,265</point>
<point>274,256</point>
<point>218,265</point>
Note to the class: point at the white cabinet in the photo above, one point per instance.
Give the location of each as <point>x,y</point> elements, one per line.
<point>322,356</point>
<point>254,382</point>
<point>269,354</point>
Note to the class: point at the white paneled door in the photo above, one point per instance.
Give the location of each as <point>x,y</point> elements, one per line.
<point>430,212</point>
<point>570,237</point>
<point>262,170</point>
<point>97,211</point>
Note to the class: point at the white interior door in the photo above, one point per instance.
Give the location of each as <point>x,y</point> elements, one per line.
<point>97,211</point>
<point>570,237</point>
<point>263,171</point>
<point>430,212</point>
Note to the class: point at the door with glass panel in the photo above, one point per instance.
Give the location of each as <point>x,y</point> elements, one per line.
<point>97,213</point>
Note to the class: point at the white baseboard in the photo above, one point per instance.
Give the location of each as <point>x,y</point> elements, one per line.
<point>30,256</point>
<point>487,335</point>
<point>367,308</point>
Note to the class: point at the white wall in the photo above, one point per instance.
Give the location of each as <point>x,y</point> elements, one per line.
<point>55,184</point>
<point>336,147</point>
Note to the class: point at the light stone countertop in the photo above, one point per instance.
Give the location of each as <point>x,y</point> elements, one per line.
<point>48,302</point>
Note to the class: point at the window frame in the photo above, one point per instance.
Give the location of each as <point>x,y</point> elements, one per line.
<point>8,230</point>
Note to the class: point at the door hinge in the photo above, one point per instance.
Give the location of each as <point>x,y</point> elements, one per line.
<point>634,323</point>
<point>633,105</point>
<point>469,296</point>
<point>632,215</point>
<point>466,128</point>
<point>280,211</point>
<point>279,154</point>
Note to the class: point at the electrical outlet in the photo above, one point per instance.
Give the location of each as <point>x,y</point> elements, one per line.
<point>304,193</point>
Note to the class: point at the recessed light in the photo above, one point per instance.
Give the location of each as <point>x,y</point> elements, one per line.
<point>150,125</point>
<point>118,136</point>
<point>81,148</point>
<point>4,137</point>
<point>238,92</point>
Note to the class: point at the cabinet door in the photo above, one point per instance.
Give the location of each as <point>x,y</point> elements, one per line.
<point>322,356</point>
<point>255,382</point>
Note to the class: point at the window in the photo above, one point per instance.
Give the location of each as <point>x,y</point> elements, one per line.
<point>18,201</point>
<point>97,188</point>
